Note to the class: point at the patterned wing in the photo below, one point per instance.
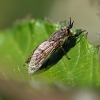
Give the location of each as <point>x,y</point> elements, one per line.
<point>40,54</point>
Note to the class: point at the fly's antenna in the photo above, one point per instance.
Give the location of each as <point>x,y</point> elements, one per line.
<point>70,24</point>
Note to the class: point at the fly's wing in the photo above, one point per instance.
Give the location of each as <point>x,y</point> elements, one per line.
<point>40,54</point>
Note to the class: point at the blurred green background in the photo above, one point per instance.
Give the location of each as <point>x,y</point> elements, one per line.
<point>85,13</point>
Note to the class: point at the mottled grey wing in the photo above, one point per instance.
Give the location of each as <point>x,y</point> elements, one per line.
<point>40,54</point>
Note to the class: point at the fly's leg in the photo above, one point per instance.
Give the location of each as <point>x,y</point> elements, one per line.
<point>65,53</point>
<point>77,34</point>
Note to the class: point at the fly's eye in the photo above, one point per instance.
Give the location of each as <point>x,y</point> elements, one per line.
<point>65,30</point>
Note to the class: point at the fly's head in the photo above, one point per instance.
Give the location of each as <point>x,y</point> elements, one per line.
<point>66,30</point>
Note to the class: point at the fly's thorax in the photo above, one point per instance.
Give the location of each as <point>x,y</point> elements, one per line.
<point>60,34</point>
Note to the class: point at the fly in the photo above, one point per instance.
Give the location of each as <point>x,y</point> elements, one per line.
<point>48,47</point>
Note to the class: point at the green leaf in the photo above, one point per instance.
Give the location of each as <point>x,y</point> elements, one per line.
<point>17,43</point>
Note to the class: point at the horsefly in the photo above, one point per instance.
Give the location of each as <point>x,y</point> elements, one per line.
<point>48,47</point>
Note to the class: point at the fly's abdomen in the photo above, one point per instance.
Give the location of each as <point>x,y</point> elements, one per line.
<point>40,54</point>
